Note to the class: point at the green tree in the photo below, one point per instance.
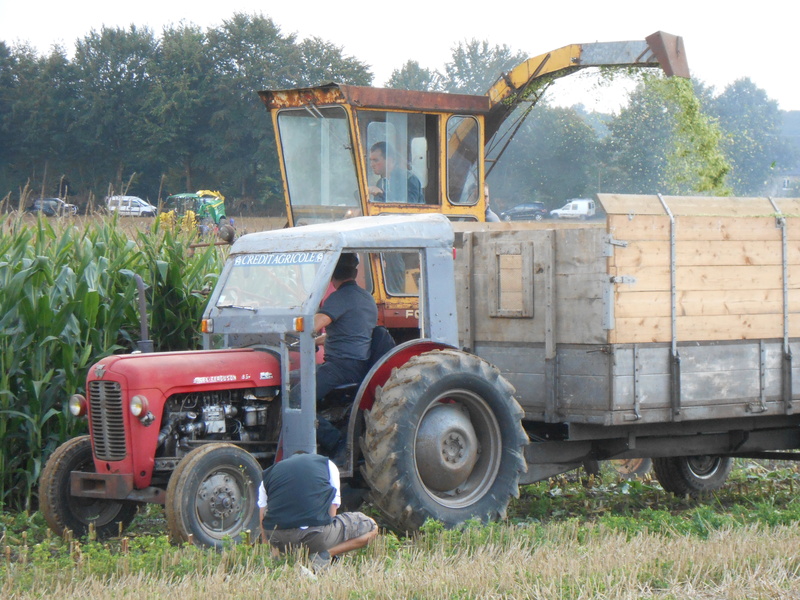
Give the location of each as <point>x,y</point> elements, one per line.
<point>15,68</point>
<point>249,53</point>
<point>635,151</point>
<point>551,158</point>
<point>322,62</point>
<point>411,76</point>
<point>752,142</point>
<point>178,109</point>
<point>37,114</point>
<point>113,86</point>
<point>662,141</point>
<point>476,65</point>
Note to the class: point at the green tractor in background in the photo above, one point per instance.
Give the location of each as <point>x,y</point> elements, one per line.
<point>207,206</point>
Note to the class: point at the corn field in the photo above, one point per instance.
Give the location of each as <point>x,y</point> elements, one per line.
<point>67,298</point>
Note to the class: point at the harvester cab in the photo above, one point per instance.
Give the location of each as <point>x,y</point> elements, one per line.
<point>347,151</point>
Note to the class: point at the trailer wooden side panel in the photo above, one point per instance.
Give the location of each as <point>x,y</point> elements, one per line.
<point>673,309</point>
<point>727,258</point>
<point>527,285</point>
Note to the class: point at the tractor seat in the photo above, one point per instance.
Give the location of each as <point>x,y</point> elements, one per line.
<point>382,343</point>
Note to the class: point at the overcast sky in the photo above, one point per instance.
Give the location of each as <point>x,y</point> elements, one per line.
<point>723,42</point>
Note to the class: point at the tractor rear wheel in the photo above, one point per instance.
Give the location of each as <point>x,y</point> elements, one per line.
<point>444,440</point>
<point>212,496</point>
<point>63,511</point>
<point>692,475</point>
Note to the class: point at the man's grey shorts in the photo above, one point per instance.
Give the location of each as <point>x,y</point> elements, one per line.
<point>344,527</point>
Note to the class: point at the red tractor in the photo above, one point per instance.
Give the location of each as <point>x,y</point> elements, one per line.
<point>193,430</point>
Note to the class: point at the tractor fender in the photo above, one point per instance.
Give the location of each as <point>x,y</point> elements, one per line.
<point>377,376</point>
<point>382,369</point>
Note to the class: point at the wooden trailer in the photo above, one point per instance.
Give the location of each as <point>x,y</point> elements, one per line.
<point>670,311</point>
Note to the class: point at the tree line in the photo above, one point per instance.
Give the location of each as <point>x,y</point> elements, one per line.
<point>132,112</point>
<point>144,114</point>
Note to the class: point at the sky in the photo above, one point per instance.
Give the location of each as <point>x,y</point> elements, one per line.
<point>722,43</point>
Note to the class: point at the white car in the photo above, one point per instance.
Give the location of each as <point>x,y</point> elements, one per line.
<point>130,206</point>
<point>577,208</point>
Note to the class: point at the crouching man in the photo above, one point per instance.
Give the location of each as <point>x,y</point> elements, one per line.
<point>298,500</point>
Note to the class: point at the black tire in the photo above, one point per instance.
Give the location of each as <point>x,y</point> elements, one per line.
<point>226,233</point>
<point>692,475</point>
<point>538,217</point>
<point>63,511</point>
<point>444,441</point>
<point>212,496</point>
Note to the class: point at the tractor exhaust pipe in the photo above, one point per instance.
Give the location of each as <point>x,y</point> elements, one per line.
<point>145,344</point>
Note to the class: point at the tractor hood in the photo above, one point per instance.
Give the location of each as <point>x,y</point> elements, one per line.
<point>177,372</point>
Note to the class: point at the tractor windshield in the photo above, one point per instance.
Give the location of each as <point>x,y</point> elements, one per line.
<point>278,280</point>
<point>319,163</point>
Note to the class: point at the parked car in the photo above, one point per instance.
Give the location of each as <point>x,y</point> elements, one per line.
<point>52,207</point>
<point>577,208</point>
<point>530,211</point>
<point>130,206</point>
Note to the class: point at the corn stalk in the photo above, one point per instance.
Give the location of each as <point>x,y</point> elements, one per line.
<point>67,298</point>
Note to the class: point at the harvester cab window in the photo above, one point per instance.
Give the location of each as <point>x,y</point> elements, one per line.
<point>401,273</point>
<point>319,162</point>
<point>400,152</point>
<point>463,152</point>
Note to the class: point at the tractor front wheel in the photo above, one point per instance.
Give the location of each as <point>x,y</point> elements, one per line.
<point>212,496</point>
<point>63,511</point>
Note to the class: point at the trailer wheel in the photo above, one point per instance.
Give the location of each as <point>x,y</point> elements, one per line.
<point>632,468</point>
<point>444,441</point>
<point>692,475</point>
<point>63,511</point>
<point>212,496</point>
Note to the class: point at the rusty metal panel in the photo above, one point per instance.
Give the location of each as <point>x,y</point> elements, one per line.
<point>670,52</point>
<point>367,97</point>
<point>326,94</point>
<point>378,98</point>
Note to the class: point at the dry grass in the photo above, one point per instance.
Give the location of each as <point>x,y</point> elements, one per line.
<point>560,561</point>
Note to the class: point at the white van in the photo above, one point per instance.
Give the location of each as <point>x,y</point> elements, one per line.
<point>130,206</point>
<point>577,208</point>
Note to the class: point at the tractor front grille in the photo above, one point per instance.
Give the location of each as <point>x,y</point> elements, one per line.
<point>108,425</point>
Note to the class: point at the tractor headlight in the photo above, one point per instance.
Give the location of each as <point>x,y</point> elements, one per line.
<point>139,406</point>
<point>77,405</point>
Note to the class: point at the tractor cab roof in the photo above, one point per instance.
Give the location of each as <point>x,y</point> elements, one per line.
<point>385,232</point>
